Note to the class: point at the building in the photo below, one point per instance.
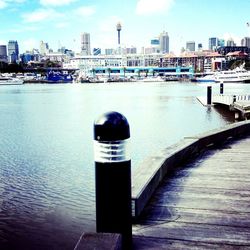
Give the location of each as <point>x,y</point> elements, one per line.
<point>213,43</point>
<point>109,51</point>
<point>131,50</point>
<point>13,51</point>
<point>190,46</point>
<point>164,42</point>
<point>44,48</point>
<point>221,42</point>
<point>226,49</point>
<point>245,42</point>
<point>230,42</point>
<point>85,44</point>
<point>3,53</point>
<point>97,51</point>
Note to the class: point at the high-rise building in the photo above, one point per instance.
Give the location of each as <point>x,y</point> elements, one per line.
<point>190,46</point>
<point>245,42</point>
<point>200,46</point>
<point>3,53</point>
<point>13,51</point>
<point>44,48</point>
<point>221,42</point>
<point>85,44</point>
<point>230,42</point>
<point>213,43</point>
<point>164,42</point>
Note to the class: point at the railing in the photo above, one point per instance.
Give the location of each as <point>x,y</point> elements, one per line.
<point>230,99</point>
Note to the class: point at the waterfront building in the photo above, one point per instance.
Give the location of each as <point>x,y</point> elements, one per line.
<point>44,48</point>
<point>131,50</point>
<point>190,46</point>
<point>226,49</point>
<point>3,54</point>
<point>85,44</point>
<point>57,57</point>
<point>151,50</point>
<point>13,51</point>
<point>164,42</point>
<point>201,61</point>
<point>245,42</point>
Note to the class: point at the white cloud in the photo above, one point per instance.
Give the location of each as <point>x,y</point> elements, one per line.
<point>39,15</point>
<point>148,7</point>
<point>61,25</point>
<point>3,4</point>
<point>109,24</point>
<point>56,2</point>
<point>85,11</point>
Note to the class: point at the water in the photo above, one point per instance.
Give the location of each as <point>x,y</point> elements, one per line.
<point>46,149</point>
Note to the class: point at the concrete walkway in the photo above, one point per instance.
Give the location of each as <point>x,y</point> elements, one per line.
<point>204,204</point>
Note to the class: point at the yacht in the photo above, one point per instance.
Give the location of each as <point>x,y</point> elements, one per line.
<point>239,75</point>
<point>205,79</point>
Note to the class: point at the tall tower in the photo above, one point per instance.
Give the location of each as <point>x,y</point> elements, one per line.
<point>85,44</point>
<point>118,28</point>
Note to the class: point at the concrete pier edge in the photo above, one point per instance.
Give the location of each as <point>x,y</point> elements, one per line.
<point>151,172</point>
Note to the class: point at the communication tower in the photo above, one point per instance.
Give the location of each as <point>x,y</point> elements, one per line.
<point>118,28</point>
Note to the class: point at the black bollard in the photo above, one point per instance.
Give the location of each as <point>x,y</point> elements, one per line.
<point>234,98</point>
<point>221,88</point>
<point>209,95</point>
<point>113,176</point>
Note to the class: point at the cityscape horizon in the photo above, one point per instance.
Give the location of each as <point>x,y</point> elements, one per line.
<point>141,21</point>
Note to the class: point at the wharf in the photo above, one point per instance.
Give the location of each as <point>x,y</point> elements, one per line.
<point>202,204</point>
<point>239,104</point>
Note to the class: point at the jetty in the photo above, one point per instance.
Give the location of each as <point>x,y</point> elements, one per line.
<point>202,201</point>
<point>239,104</point>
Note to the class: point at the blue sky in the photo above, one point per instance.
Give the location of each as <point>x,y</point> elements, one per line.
<point>60,22</point>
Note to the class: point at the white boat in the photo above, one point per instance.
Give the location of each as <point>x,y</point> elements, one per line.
<point>10,81</point>
<point>151,79</point>
<point>205,79</point>
<point>239,75</point>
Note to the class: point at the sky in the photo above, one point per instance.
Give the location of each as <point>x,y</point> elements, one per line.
<point>61,22</point>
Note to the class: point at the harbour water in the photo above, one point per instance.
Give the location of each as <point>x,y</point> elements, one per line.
<point>47,195</point>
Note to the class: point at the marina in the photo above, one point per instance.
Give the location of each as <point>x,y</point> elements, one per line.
<point>46,148</point>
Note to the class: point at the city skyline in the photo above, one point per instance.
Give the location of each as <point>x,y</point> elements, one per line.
<point>61,23</point>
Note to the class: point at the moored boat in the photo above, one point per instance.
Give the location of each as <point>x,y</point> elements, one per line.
<point>59,77</point>
<point>4,80</point>
<point>239,75</point>
<point>205,79</point>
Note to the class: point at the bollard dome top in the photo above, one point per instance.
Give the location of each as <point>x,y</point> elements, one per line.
<point>111,126</point>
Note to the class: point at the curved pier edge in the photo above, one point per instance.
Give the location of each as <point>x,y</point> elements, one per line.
<point>151,172</point>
